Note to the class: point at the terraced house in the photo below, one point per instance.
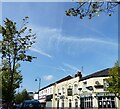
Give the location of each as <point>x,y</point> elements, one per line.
<point>80,92</point>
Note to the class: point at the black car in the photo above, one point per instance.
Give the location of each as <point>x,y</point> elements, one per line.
<point>17,106</point>
<point>30,104</point>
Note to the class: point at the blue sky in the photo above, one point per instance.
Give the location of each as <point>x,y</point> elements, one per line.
<point>64,44</point>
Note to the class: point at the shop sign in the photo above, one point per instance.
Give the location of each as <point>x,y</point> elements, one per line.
<point>85,95</point>
<point>42,97</point>
<point>105,94</point>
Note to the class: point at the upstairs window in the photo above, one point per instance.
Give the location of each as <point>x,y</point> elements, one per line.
<point>84,86</point>
<point>63,90</point>
<point>69,91</point>
<point>75,89</point>
<point>58,91</point>
<point>105,85</point>
<point>50,90</point>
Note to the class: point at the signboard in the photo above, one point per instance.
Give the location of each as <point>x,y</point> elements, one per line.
<point>88,95</point>
<point>42,97</point>
<point>49,97</point>
<point>105,94</point>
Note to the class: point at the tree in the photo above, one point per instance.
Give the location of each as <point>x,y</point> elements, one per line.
<point>5,76</point>
<point>0,83</point>
<point>20,97</point>
<point>15,44</point>
<point>114,80</point>
<point>91,9</point>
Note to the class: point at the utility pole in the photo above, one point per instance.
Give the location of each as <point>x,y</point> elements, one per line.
<point>39,83</point>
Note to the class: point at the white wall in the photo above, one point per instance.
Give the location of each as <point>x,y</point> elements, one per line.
<point>35,96</point>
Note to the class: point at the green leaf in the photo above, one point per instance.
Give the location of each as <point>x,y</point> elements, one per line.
<point>0,29</point>
<point>67,13</point>
<point>14,47</point>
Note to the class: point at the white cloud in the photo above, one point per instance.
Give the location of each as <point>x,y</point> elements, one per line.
<point>40,52</point>
<point>71,67</point>
<point>86,40</point>
<point>48,77</point>
<point>54,35</point>
<point>63,69</point>
<point>51,39</point>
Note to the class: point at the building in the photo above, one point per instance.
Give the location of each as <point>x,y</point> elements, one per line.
<point>35,96</point>
<point>66,92</point>
<point>46,95</point>
<point>93,91</point>
<point>31,94</point>
<point>80,92</point>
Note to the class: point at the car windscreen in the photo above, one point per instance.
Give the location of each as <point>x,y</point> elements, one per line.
<point>31,104</point>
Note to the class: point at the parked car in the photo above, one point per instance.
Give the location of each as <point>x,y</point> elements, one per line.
<point>17,106</point>
<point>3,104</point>
<point>30,104</point>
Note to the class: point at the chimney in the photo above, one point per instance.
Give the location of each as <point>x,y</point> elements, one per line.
<point>79,74</point>
<point>75,75</point>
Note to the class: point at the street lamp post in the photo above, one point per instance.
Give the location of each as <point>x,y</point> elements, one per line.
<point>39,82</point>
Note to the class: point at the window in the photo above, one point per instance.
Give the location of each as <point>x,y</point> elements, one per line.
<point>62,104</point>
<point>81,103</point>
<point>84,86</point>
<point>70,103</point>
<point>70,87</point>
<point>50,90</point>
<point>106,102</point>
<point>58,91</point>
<point>105,84</point>
<point>76,103</point>
<point>75,89</point>
<point>63,90</point>
<point>97,83</point>
<point>57,104</point>
<point>69,91</point>
<point>86,102</point>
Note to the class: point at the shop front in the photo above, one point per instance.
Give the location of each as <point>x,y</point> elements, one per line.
<point>49,101</point>
<point>86,101</point>
<point>106,100</point>
<point>42,100</point>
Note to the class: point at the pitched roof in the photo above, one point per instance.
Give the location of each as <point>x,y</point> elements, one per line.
<point>59,81</point>
<point>102,73</point>
<point>64,79</point>
<point>46,86</point>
